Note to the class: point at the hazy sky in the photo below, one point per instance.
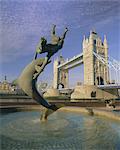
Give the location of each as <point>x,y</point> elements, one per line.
<point>23,22</point>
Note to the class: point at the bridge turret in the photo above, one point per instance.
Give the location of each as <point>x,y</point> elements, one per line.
<point>105,46</point>
<point>105,42</point>
<point>91,38</point>
<point>84,42</point>
<point>60,75</point>
<point>99,42</point>
<point>106,57</point>
<point>61,59</point>
<point>55,73</point>
<point>95,72</point>
<point>89,60</point>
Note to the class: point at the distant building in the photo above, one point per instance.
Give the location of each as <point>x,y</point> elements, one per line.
<point>5,86</point>
<point>10,88</point>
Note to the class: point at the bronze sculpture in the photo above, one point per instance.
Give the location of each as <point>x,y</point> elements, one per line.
<point>55,45</point>
<point>28,78</point>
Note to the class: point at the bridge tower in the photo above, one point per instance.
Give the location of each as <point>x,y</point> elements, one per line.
<point>60,76</point>
<point>95,72</point>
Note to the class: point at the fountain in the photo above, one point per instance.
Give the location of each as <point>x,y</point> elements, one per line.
<point>63,130</point>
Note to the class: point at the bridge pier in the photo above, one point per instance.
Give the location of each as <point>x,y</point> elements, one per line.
<point>93,92</point>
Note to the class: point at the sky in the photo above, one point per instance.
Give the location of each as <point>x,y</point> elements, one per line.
<point>24,22</point>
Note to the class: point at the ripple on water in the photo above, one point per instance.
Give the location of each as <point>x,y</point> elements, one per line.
<point>62,131</point>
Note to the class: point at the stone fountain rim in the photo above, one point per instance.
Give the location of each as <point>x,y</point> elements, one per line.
<point>101,111</point>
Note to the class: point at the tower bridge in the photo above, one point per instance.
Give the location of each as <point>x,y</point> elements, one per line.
<point>97,65</point>
<point>71,63</point>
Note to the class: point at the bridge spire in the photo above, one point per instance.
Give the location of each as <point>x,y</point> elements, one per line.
<point>84,38</point>
<point>91,37</point>
<point>105,42</point>
<point>84,41</point>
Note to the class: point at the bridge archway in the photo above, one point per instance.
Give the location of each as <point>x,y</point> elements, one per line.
<point>100,80</point>
<point>60,86</point>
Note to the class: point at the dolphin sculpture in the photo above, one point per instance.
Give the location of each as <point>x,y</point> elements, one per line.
<point>28,78</point>
<point>27,82</point>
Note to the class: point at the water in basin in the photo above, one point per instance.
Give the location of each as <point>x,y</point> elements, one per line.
<point>62,131</point>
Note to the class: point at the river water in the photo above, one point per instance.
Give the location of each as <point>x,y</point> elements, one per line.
<point>62,131</point>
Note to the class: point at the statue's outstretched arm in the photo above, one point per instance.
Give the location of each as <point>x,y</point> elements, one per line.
<point>64,34</point>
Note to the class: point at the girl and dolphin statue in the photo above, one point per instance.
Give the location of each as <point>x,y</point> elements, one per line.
<point>28,78</point>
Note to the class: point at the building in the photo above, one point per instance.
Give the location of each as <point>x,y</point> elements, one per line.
<point>6,87</point>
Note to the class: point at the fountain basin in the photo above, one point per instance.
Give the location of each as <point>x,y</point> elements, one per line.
<point>64,130</point>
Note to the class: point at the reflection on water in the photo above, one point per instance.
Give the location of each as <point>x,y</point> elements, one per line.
<point>63,131</point>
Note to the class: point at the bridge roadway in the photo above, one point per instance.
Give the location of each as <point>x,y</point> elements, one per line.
<point>109,86</point>
<point>71,63</point>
